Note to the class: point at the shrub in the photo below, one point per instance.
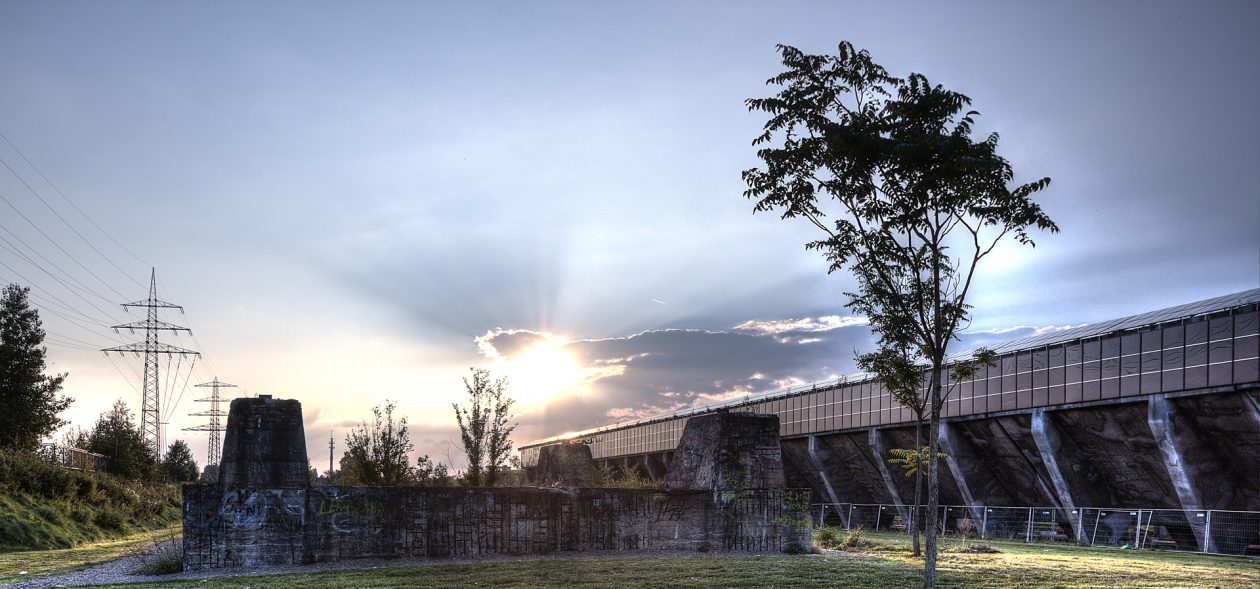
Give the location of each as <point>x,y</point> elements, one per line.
<point>108,519</point>
<point>827,537</point>
<point>164,558</point>
<point>853,539</point>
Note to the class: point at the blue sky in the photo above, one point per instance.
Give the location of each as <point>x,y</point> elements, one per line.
<point>357,202</point>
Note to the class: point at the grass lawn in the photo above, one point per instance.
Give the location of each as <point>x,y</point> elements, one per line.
<point>885,563</point>
<point>44,562</point>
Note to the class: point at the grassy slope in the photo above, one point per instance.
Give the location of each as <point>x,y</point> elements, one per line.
<point>885,565</point>
<point>45,562</point>
<point>43,506</point>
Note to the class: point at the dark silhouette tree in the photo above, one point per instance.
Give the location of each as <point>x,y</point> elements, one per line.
<point>116,436</point>
<point>887,170</point>
<point>485,428</point>
<point>377,453</point>
<point>28,396</point>
<point>178,464</point>
<point>430,473</point>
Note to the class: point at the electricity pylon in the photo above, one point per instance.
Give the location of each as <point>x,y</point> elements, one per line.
<point>215,426</point>
<point>150,413</point>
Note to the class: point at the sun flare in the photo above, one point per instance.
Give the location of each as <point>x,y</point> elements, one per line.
<point>543,371</point>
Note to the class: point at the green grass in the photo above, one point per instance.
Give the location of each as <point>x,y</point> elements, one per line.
<point>885,563</point>
<point>43,506</point>
<point>46,562</point>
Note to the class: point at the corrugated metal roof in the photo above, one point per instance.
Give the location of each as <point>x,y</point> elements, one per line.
<point>1179,312</point>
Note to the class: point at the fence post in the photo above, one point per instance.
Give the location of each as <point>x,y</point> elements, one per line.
<point>1137,531</point>
<point>1094,538</point>
<point>878,515</point>
<point>822,515</point>
<point>849,524</point>
<point>1028,538</point>
<point>984,524</point>
<point>1207,533</point>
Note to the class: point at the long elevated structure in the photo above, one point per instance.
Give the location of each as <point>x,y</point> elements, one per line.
<point>1160,409</point>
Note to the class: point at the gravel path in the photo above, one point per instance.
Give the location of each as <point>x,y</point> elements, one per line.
<point>120,571</point>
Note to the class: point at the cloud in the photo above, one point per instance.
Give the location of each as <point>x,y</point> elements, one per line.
<point>506,343</point>
<point>808,324</point>
<point>662,370</point>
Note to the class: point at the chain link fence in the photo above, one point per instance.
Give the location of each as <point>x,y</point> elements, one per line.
<point>1208,531</point>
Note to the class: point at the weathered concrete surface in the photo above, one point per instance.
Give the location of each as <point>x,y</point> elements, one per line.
<point>1218,437</point>
<point>326,523</point>
<point>566,465</point>
<point>728,452</point>
<point>264,445</point>
<point>847,461</point>
<point>263,512</point>
<point>1110,458</point>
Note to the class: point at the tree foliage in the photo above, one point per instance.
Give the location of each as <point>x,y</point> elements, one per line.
<point>115,435</point>
<point>178,464</point>
<point>29,397</point>
<point>887,170</point>
<point>429,473</point>
<point>378,453</point>
<point>485,428</point>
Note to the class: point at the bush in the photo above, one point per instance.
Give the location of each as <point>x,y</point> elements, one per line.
<point>853,539</point>
<point>164,558</point>
<point>828,538</point>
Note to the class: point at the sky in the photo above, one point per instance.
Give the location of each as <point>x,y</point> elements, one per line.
<point>358,202</point>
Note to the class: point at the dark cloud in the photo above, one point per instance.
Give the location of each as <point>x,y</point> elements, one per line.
<point>662,370</point>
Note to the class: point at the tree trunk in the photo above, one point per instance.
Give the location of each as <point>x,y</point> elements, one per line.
<point>934,488</point>
<point>918,485</point>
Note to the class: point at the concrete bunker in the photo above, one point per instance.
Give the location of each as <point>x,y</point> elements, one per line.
<point>262,511</point>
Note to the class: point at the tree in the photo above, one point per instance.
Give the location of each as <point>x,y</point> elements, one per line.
<point>917,203</point>
<point>116,436</point>
<point>894,365</point>
<point>29,396</point>
<point>484,427</point>
<point>178,465</point>
<point>378,453</point>
<point>430,473</point>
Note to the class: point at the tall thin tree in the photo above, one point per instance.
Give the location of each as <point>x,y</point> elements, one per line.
<point>916,203</point>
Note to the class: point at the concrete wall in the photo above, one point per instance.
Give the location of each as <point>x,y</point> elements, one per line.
<point>238,527</point>
<point>1189,452</point>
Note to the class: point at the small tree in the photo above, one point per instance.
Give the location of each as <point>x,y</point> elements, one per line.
<point>485,428</point>
<point>377,453</point>
<point>917,203</point>
<point>894,366</point>
<point>116,436</point>
<point>178,464</point>
<point>430,473</point>
<point>28,396</point>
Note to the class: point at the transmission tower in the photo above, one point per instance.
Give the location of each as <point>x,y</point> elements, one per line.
<point>215,426</point>
<point>150,414</point>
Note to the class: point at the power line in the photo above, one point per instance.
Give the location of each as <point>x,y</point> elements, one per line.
<point>64,221</point>
<point>150,408</point>
<point>75,206</point>
<point>48,292</point>
<point>10,247</point>
<point>57,245</point>
<point>214,413</point>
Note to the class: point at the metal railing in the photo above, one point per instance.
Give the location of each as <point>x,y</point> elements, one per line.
<point>73,458</point>
<point>1213,531</point>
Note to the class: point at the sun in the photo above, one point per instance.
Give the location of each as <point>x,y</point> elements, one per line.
<point>543,371</point>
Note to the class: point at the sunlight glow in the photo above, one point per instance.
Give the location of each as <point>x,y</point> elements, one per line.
<point>543,371</point>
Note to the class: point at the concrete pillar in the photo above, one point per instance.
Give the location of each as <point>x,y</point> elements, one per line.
<point>822,474</point>
<point>876,443</point>
<point>1046,436</point>
<point>1158,417</point>
<point>649,465</point>
<point>951,462</point>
